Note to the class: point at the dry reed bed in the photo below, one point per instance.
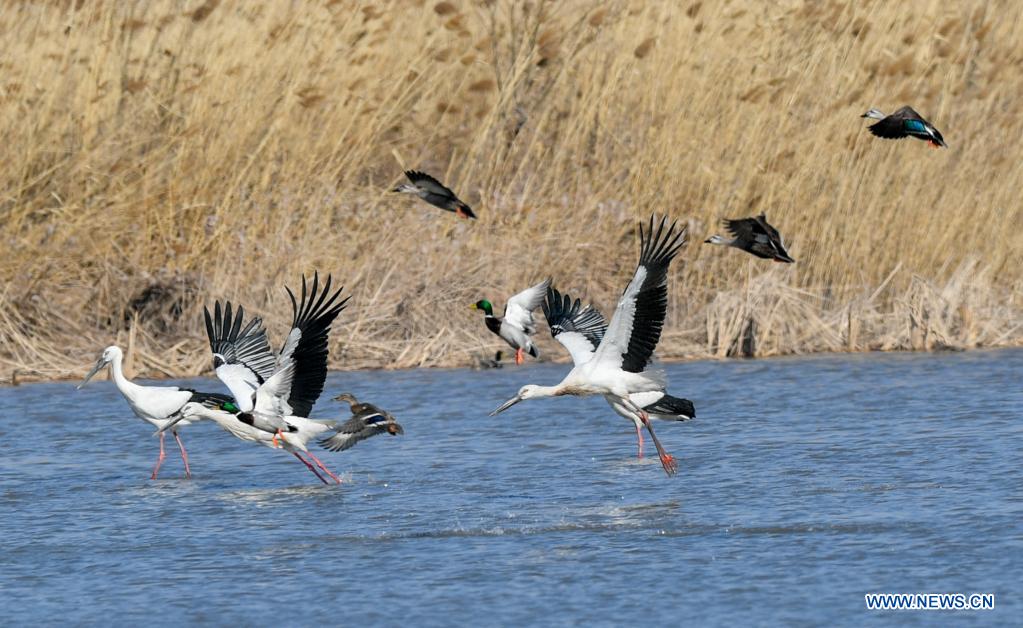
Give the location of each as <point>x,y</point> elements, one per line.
<point>160,155</point>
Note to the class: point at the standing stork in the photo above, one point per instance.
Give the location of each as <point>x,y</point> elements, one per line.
<point>581,330</point>
<point>278,404</point>
<point>159,406</point>
<point>517,326</point>
<point>618,367</point>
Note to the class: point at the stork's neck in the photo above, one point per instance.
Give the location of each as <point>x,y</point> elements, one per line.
<point>127,387</point>
<point>551,391</point>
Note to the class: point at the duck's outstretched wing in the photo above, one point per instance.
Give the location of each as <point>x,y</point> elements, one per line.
<point>429,184</point>
<point>242,358</point>
<point>777,245</point>
<point>579,329</point>
<point>744,229</point>
<point>359,428</point>
<point>636,325</point>
<point>518,312</point>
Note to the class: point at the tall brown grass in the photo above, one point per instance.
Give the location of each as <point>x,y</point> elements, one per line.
<point>160,155</point>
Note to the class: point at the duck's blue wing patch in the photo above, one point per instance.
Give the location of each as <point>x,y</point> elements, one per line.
<point>915,126</point>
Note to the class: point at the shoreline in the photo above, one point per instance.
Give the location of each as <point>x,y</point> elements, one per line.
<point>509,365</point>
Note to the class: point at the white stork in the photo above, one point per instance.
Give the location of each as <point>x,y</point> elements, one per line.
<point>618,367</point>
<point>278,405</point>
<point>159,406</point>
<point>580,330</point>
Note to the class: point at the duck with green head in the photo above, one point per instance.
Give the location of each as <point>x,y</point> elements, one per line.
<point>516,326</point>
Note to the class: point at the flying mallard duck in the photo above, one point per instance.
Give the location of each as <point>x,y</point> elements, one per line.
<point>433,192</point>
<point>517,325</point>
<point>754,235</point>
<point>367,420</point>
<point>902,123</point>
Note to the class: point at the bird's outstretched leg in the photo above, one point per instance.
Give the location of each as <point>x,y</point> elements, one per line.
<point>325,469</point>
<point>274,439</point>
<point>184,455</point>
<point>159,461</point>
<point>518,357</point>
<point>639,439</point>
<point>311,467</point>
<point>667,460</point>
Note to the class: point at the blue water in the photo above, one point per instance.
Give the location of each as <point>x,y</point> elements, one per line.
<point>803,484</point>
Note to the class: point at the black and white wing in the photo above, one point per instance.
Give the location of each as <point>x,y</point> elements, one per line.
<point>579,329</point>
<point>636,325</point>
<point>306,344</point>
<point>518,312</point>
<point>242,358</point>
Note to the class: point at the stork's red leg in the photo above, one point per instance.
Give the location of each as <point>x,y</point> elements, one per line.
<point>320,464</point>
<point>311,467</point>
<point>639,439</point>
<point>518,357</point>
<point>159,461</point>
<point>667,460</point>
<point>184,455</point>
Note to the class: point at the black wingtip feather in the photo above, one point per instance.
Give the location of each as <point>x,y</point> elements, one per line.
<point>313,316</point>
<point>657,250</point>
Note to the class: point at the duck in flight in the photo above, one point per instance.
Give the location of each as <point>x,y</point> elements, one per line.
<point>619,366</point>
<point>581,330</point>
<point>904,123</point>
<point>367,421</point>
<point>160,406</point>
<point>516,327</point>
<point>756,236</point>
<point>434,192</point>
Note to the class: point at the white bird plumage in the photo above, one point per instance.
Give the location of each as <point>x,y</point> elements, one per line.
<point>280,403</point>
<point>160,406</point>
<point>517,326</point>
<point>619,366</point>
<point>581,330</point>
